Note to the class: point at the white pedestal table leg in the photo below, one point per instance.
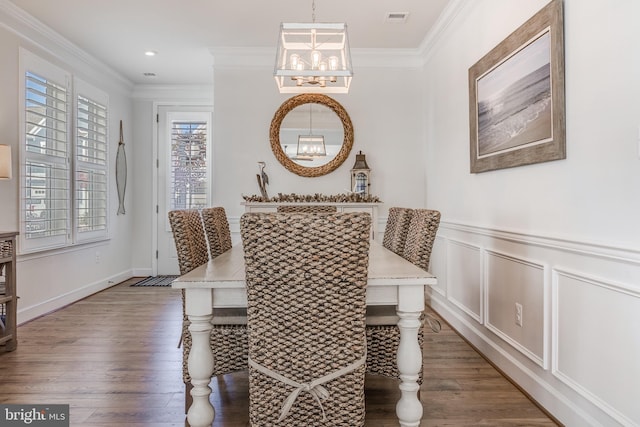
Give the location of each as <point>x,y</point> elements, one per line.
<point>410,308</point>
<point>200,363</point>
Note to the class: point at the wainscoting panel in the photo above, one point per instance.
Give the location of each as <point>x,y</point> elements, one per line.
<point>464,283</point>
<point>438,265</point>
<point>577,352</point>
<point>596,338</point>
<point>511,281</point>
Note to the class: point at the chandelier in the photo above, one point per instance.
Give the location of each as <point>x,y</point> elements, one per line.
<point>313,57</point>
<point>310,146</point>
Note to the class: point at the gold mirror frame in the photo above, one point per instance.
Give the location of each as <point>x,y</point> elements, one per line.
<point>307,98</point>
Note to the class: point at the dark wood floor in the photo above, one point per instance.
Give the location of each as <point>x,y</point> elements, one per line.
<point>113,358</point>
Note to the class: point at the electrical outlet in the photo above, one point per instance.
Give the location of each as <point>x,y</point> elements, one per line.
<point>519,314</point>
<point>97,257</point>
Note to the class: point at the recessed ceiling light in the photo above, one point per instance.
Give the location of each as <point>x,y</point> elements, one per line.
<point>397,17</point>
<point>149,74</point>
<point>151,53</point>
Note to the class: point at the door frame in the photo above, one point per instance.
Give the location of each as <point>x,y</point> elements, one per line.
<point>155,162</point>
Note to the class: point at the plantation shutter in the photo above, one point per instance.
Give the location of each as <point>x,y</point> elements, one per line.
<point>91,165</point>
<point>45,215</point>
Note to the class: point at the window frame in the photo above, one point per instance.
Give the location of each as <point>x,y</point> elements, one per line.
<point>32,63</point>
<point>187,117</point>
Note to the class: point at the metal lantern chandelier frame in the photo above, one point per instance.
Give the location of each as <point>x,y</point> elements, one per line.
<point>313,57</point>
<point>310,146</point>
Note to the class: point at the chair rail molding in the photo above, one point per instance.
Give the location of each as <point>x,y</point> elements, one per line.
<point>564,286</point>
<point>595,249</point>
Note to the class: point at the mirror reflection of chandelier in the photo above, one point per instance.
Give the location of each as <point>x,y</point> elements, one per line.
<point>310,146</point>
<point>313,57</point>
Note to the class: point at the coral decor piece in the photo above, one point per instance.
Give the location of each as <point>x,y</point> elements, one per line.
<point>317,197</point>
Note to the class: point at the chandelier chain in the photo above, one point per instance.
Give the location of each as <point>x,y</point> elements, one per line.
<point>313,11</point>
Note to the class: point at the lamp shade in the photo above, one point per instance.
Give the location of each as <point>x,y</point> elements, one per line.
<point>5,162</point>
<point>313,58</point>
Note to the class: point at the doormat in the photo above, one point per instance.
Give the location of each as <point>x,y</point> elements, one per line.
<point>156,281</point>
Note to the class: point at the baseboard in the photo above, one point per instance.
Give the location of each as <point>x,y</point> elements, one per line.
<point>29,313</point>
<point>552,401</point>
<point>141,272</point>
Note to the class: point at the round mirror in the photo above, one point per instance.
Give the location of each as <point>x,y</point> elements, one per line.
<point>311,134</point>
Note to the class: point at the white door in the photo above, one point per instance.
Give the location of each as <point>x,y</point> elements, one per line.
<point>184,172</point>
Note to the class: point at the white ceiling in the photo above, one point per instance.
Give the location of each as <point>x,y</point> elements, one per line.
<point>118,32</point>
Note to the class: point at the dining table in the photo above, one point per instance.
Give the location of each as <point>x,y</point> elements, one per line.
<point>220,283</point>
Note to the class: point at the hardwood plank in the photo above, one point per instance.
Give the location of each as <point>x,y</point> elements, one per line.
<point>113,358</point>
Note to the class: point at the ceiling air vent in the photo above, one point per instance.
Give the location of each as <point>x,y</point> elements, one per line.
<point>397,17</point>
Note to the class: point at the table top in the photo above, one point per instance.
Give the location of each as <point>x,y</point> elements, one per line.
<point>227,271</point>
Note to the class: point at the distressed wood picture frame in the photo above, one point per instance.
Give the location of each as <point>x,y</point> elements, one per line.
<point>516,96</point>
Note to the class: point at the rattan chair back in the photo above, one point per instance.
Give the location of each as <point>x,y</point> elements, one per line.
<point>395,232</point>
<point>216,227</point>
<point>306,279</point>
<point>189,238</point>
<point>420,237</point>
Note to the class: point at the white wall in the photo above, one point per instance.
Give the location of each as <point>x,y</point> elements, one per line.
<point>561,237</point>
<point>52,279</point>
<point>386,121</point>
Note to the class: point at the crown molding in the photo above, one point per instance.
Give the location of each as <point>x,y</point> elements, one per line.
<point>200,93</point>
<point>228,57</point>
<point>446,18</point>
<point>34,31</point>
<point>29,28</point>
<point>259,57</point>
<point>385,58</point>
<point>242,57</point>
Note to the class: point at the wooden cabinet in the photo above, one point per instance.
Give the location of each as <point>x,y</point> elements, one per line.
<point>371,208</point>
<point>8,298</point>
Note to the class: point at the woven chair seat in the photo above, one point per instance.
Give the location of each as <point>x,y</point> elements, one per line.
<point>306,281</point>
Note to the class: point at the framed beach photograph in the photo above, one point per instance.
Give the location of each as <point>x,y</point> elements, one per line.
<point>516,96</point>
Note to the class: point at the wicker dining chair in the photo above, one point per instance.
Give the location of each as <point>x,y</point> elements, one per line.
<point>322,209</point>
<point>420,237</point>
<point>383,335</point>
<point>216,228</point>
<point>306,279</point>
<point>229,333</point>
<point>395,232</point>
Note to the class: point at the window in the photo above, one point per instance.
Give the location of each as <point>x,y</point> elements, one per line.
<point>91,192</point>
<point>63,181</point>
<point>188,179</point>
